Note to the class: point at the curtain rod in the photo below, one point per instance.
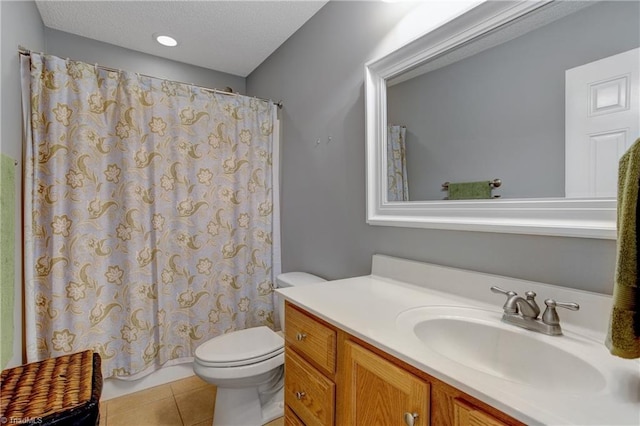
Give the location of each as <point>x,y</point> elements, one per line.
<point>229,91</point>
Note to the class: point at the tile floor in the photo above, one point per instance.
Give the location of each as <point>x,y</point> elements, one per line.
<point>186,402</point>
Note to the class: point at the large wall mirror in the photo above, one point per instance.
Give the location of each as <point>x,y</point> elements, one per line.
<point>543,96</point>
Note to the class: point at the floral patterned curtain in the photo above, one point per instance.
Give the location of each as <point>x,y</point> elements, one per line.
<point>397,182</point>
<point>148,212</point>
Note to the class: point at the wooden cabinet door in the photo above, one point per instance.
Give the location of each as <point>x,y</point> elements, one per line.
<point>468,415</point>
<point>377,392</point>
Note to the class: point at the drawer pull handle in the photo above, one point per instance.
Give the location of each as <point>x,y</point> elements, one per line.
<point>300,337</point>
<point>300,395</point>
<point>410,418</point>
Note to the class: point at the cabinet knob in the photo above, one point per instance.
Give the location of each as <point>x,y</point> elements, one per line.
<point>300,336</point>
<point>300,395</point>
<point>410,418</point>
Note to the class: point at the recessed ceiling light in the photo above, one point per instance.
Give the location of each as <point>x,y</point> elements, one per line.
<point>165,40</point>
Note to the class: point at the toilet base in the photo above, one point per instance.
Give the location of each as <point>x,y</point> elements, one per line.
<point>242,407</point>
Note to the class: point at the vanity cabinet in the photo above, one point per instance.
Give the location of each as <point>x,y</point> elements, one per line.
<point>332,378</point>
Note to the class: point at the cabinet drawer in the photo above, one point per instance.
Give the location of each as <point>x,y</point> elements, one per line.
<point>290,418</point>
<point>468,415</point>
<point>313,339</point>
<point>309,394</point>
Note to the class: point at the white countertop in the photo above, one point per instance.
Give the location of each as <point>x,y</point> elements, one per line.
<point>367,307</point>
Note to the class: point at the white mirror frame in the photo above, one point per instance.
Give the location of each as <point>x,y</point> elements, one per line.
<point>587,218</point>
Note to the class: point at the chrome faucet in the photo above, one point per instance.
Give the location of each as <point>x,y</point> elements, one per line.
<point>524,312</point>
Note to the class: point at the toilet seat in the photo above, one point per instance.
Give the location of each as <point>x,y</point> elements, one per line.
<point>240,348</point>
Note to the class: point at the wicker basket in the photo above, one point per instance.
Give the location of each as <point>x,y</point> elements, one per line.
<point>56,391</point>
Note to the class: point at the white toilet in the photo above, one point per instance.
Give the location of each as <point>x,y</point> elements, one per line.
<point>247,366</point>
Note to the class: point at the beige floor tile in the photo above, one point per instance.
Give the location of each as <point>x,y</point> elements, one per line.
<point>103,413</point>
<point>161,412</point>
<point>277,422</point>
<point>137,399</point>
<point>207,422</point>
<point>196,405</point>
<point>185,385</point>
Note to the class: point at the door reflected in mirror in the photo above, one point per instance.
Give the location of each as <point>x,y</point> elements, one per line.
<point>549,111</point>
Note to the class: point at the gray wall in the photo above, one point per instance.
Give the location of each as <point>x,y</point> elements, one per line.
<point>319,74</point>
<point>453,134</point>
<point>20,25</point>
<point>68,45</point>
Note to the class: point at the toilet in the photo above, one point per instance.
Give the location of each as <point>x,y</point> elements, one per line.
<point>247,366</point>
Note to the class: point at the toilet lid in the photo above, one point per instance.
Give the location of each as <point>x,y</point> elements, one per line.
<point>241,347</point>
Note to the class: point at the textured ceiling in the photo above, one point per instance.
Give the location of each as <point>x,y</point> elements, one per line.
<point>232,36</point>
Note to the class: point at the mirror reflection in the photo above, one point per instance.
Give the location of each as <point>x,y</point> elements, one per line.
<point>548,112</point>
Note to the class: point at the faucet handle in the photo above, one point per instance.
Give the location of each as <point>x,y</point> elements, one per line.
<point>567,305</point>
<point>550,316</point>
<point>508,307</point>
<point>497,289</point>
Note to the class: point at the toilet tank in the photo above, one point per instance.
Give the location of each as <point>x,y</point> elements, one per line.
<point>292,279</point>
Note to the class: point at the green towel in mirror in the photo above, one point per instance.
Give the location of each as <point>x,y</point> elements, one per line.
<point>623,337</point>
<point>469,190</point>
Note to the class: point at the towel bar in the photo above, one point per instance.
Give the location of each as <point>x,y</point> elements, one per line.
<point>492,183</point>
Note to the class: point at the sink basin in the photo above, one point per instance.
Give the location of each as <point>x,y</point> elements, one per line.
<point>477,339</point>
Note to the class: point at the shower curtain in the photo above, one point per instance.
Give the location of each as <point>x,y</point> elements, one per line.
<point>397,182</point>
<point>149,215</point>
